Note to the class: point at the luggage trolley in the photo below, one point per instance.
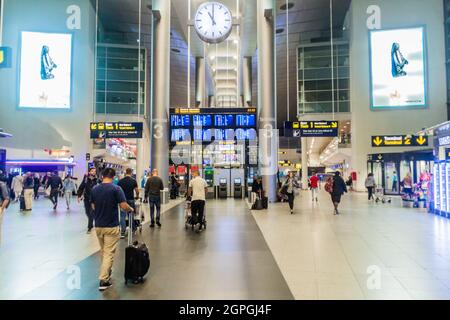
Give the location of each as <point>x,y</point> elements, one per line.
<point>188,215</point>
<point>380,196</point>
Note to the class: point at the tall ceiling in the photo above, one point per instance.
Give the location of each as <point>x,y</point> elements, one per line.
<point>309,21</point>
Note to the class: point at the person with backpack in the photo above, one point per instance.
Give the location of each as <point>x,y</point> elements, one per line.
<point>288,188</point>
<point>130,187</point>
<point>370,185</point>
<point>336,187</point>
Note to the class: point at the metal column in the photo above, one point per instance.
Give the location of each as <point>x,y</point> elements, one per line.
<point>268,133</point>
<point>200,82</point>
<point>161,89</point>
<point>247,80</point>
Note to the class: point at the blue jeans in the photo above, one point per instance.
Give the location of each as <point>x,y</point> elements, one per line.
<point>123,218</point>
<point>154,201</point>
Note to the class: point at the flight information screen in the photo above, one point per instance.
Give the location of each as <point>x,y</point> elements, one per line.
<point>245,120</point>
<point>223,120</point>
<point>177,120</point>
<point>202,120</point>
<point>180,135</point>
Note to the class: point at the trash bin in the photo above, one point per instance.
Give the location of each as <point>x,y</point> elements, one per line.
<point>165,196</point>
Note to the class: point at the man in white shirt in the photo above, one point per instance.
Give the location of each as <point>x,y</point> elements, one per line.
<point>197,190</point>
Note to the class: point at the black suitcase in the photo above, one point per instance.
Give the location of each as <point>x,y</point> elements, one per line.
<point>265,202</point>
<point>137,259</point>
<point>258,205</point>
<point>22,202</point>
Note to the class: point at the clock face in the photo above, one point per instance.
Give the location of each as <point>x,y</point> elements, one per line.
<point>213,22</point>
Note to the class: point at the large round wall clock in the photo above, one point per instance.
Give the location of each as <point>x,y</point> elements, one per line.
<point>213,22</point>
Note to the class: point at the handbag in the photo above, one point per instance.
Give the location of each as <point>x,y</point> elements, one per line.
<point>48,191</point>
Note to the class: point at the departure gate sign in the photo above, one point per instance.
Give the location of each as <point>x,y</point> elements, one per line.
<point>318,128</point>
<point>399,141</point>
<point>125,130</point>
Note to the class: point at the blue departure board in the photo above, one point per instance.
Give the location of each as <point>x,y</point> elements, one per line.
<point>251,134</point>
<point>219,134</point>
<point>178,120</point>
<point>180,135</point>
<point>245,120</point>
<point>207,134</point>
<point>198,134</point>
<point>241,134</point>
<point>203,120</point>
<point>229,134</point>
<point>223,120</point>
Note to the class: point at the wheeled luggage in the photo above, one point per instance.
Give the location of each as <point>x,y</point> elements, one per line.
<point>137,259</point>
<point>265,202</point>
<point>22,202</point>
<point>258,205</point>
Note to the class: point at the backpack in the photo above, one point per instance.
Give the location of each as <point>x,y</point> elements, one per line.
<point>329,185</point>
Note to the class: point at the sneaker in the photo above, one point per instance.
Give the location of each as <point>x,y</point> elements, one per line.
<point>122,235</point>
<point>292,211</point>
<point>158,224</point>
<point>89,231</point>
<point>317,200</point>
<point>152,225</point>
<point>104,285</point>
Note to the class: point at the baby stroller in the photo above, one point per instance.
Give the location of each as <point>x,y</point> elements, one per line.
<point>189,221</point>
<point>379,196</point>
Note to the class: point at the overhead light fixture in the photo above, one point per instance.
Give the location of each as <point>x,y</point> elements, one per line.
<point>235,41</point>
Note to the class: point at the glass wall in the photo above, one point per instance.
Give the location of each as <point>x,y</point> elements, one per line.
<point>315,74</point>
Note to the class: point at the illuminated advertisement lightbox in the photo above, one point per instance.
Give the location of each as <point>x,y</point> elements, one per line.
<point>398,68</point>
<point>45,70</point>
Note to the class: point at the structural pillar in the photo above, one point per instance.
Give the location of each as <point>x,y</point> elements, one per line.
<point>304,147</point>
<point>200,82</point>
<point>268,133</point>
<point>161,89</point>
<point>247,80</point>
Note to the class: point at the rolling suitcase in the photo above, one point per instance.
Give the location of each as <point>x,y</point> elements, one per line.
<point>137,259</point>
<point>22,202</point>
<point>258,205</point>
<point>265,202</point>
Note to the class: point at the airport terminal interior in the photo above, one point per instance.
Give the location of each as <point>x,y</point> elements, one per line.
<point>296,149</point>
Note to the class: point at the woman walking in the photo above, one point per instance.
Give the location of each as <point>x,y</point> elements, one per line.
<point>288,188</point>
<point>336,187</point>
<point>69,188</point>
<point>370,185</point>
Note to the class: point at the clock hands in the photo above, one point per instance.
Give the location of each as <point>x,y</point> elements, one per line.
<point>212,15</point>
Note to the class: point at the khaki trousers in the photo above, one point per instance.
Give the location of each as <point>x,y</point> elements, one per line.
<point>28,195</point>
<point>108,239</point>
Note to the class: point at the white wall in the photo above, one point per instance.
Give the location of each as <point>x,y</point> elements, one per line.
<point>365,123</point>
<point>35,130</point>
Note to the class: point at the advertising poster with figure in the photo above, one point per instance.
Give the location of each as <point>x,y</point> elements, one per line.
<point>398,69</point>
<point>45,70</point>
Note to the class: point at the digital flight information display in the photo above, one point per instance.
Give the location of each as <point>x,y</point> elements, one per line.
<point>177,120</point>
<point>245,120</point>
<point>180,135</point>
<point>202,120</point>
<point>223,120</point>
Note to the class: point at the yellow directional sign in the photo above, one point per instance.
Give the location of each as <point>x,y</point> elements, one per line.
<point>399,141</point>
<point>377,141</point>
<point>421,140</point>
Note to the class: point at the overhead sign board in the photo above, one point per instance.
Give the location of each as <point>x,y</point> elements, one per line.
<point>399,141</point>
<point>311,129</point>
<point>125,130</point>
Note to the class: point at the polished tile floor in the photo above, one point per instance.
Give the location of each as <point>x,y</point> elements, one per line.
<point>230,260</point>
<point>369,251</point>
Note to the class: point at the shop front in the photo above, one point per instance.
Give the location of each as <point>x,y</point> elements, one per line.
<point>389,169</point>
